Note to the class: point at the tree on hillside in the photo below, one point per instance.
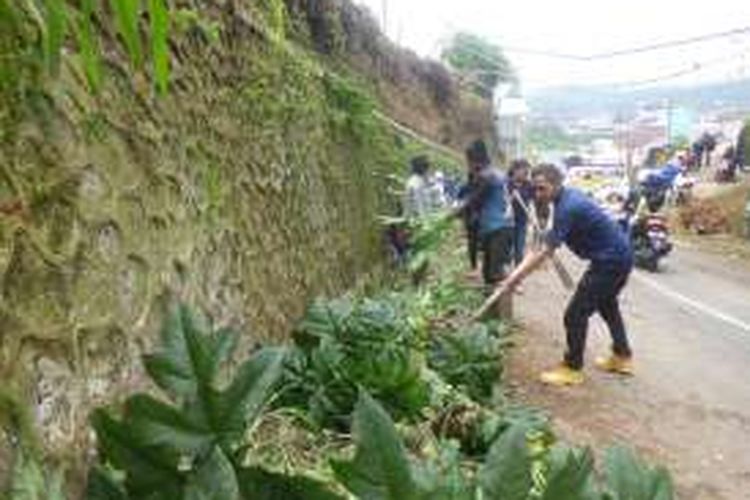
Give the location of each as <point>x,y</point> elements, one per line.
<point>479,62</point>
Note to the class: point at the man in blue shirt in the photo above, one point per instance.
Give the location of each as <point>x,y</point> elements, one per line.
<point>489,198</point>
<point>592,235</point>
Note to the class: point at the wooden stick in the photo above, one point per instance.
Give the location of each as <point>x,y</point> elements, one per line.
<point>490,302</point>
<point>503,289</point>
<point>560,269</point>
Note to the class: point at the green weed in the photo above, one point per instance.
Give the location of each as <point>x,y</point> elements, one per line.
<point>159,16</point>
<point>127,13</point>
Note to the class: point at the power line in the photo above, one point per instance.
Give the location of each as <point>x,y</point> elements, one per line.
<point>616,53</point>
<point>695,68</point>
<point>629,51</point>
<point>544,53</point>
<point>670,44</point>
<point>470,79</point>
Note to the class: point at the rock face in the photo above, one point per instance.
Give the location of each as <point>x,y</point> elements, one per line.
<point>249,189</point>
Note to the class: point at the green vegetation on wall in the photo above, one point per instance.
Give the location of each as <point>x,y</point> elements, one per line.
<point>251,186</point>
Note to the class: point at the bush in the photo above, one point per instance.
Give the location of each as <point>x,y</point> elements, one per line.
<point>469,359</point>
<point>347,344</point>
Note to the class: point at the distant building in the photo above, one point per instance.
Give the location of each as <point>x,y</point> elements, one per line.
<point>510,120</point>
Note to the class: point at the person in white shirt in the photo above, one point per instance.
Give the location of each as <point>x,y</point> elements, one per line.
<point>417,195</point>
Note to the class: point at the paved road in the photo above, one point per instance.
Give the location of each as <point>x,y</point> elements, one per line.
<point>689,404</point>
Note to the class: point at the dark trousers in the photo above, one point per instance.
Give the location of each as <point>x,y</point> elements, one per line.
<point>472,243</point>
<point>597,292</point>
<point>496,254</point>
<point>519,242</point>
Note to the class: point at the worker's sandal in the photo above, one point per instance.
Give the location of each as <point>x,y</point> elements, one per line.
<point>614,363</point>
<point>562,375</point>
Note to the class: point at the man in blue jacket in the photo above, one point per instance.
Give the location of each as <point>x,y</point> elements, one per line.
<point>592,235</point>
<point>489,198</point>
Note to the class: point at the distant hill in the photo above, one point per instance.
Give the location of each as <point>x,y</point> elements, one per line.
<point>584,101</point>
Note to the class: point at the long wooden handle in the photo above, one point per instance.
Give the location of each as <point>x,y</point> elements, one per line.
<point>560,269</point>
<point>491,300</point>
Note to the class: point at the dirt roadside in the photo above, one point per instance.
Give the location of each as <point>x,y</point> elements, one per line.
<point>689,404</point>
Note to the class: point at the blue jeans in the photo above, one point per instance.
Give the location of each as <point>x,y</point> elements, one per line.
<point>597,292</point>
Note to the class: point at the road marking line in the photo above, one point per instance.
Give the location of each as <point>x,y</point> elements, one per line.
<point>699,306</point>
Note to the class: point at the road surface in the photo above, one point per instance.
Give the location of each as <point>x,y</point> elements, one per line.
<point>689,404</point>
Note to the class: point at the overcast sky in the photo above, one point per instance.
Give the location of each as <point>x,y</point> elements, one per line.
<point>584,27</point>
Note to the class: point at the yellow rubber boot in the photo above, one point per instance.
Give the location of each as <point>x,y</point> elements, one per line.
<point>615,364</point>
<point>562,375</point>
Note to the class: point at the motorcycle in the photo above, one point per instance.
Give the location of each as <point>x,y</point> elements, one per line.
<point>649,238</point>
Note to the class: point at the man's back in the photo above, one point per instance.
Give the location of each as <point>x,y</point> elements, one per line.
<point>588,231</point>
<point>494,211</point>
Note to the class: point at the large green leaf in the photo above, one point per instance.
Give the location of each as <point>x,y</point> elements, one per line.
<point>223,346</point>
<point>380,469</point>
<point>258,484</point>
<point>164,447</point>
<point>249,392</point>
<point>506,473</point>
<point>570,475</point>
<point>213,480</point>
<point>159,424</point>
<point>185,359</point>
<point>442,478</point>
<point>190,358</point>
<point>149,470</point>
<point>628,478</point>
<point>216,417</point>
<point>102,486</point>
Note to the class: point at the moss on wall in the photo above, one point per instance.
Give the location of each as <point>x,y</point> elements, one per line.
<point>422,93</point>
<point>249,189</point>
